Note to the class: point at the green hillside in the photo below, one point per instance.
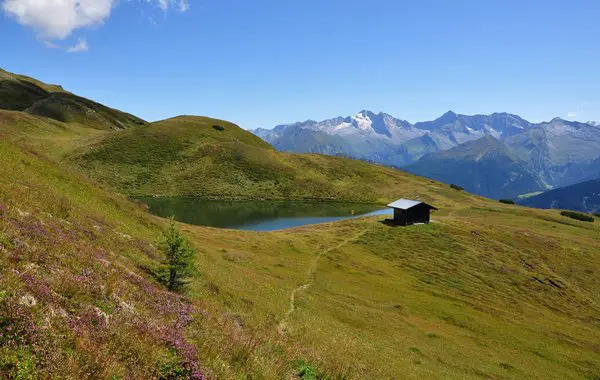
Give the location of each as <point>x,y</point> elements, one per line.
<point>21,93</point>
<point>487,290</point>
<point>76,297</point>
<point>188,156</point>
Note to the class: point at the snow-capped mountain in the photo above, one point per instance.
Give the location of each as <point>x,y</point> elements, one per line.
<point>558,152</point>
<point>385,139</point>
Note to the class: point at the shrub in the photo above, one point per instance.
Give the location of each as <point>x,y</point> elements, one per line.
<point>218,127</point>
<point>305,371</point>
<point>456,187</point>
<point>597,214</point>
<point>179,257</point>
<point>577,215</point>
<point>507,201</point>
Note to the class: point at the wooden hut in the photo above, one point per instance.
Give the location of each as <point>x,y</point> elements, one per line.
<point>407,212</point>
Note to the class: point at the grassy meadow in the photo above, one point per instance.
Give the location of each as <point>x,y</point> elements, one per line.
<point>487,290</point>
<point>495,292</point>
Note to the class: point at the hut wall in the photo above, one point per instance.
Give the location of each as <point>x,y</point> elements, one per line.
<point>400,216</point>
<point>417,214</point>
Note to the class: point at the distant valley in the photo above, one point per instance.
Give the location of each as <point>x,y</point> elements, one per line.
<point>499,155</point>
<point>583,196</point>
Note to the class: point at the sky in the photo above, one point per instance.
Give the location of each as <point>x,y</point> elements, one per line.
<point>260,63</point>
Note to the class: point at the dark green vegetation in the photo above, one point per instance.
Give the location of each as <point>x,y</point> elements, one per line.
<point>456,187</point>
<point>484,166</point>
<point>577,215</point>
<point>583,196</point>
<point>179,258</point>
<point>507,201</point>
<point>487,290</point>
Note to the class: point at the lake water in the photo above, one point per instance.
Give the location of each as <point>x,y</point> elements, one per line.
<point>257,215</point>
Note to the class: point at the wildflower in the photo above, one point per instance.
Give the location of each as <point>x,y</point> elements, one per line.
<point>28,300</point>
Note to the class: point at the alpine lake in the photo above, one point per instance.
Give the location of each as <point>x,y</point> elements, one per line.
<point>256,215</point>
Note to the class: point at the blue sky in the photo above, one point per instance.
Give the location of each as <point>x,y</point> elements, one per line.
<point>260,63</point>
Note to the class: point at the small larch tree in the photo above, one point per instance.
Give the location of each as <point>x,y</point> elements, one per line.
<point>179,257</point>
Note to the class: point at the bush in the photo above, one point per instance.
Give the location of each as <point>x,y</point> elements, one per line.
<point>218,127</point>
<point>578,216</point>
<point>456,187</point>
<point>179,256</point>
<point>507,201</point>
<point>597,214</point>
<point>305,371</point>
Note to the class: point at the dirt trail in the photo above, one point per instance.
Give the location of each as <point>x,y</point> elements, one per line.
<point>282,327</point>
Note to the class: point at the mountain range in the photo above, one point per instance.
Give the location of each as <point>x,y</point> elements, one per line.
<point>512,155</point>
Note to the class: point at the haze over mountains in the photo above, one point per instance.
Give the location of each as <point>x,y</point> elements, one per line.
<point>512,156</point>
<point>583,196</point>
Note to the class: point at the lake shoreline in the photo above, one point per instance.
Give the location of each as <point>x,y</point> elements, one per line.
<point>256,215</point>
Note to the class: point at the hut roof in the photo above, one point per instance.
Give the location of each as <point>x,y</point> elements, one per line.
<point>405,204</point>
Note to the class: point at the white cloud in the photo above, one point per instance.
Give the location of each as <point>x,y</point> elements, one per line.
<point>80,46</point>
<point>572,115</point>
<point>57,19</point>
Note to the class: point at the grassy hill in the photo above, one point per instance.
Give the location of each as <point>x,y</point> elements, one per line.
<point>21,93</point>
<point>188,156</point>
<point>486,291</point>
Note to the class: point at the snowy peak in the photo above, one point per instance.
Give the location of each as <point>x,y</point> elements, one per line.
<point>363,121</point>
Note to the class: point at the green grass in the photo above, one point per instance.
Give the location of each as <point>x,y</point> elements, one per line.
<point>494,294</point>
<point>486,290</point>
<point>21,93</point>
<point>5,75</point>
<point>44,136</point>
<point>77,299</point>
